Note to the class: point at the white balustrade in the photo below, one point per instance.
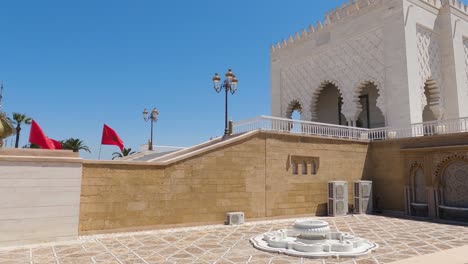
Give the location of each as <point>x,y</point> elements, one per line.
<point>267,123</point>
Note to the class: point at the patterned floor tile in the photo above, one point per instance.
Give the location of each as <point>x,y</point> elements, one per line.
<point>397,238</point>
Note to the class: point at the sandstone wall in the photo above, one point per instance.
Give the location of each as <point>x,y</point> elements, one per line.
<point>288,194</point>
<point>253,176</point>
<point>197,190</point>
<point>390,161</point>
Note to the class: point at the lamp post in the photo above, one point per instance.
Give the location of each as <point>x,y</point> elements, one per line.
<point>228,85</point>
<point>153,117</point>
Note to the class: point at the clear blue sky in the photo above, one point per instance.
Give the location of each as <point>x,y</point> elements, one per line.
<point>75,65</point>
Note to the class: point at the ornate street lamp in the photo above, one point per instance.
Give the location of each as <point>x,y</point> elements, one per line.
<point>153,117</point>
<point>228,85</point>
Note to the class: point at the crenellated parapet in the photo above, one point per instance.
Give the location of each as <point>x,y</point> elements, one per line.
<point>352,9</point>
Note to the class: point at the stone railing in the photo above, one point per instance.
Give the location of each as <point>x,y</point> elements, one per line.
<point>440,127</point>
<point>267,123</point>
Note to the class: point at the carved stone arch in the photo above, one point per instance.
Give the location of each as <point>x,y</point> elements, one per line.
<point>442,165</point>
<point>452,180</point>
<point>293,106</point>
<point>417,183</point>
<point>432,97</point>
<point>414,166</point>
<point>318,90</point>
<point>359,86</point>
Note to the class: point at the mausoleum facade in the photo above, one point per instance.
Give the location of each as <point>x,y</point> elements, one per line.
<point>376,63</point>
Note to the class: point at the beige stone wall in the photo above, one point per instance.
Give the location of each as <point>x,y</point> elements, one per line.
<point>386,170</point>
<point>389,164</point>
<point>252,176</point>
<point>198,190</point>
<point>289,194</point>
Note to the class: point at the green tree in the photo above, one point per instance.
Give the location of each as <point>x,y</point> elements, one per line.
<point>17,120</point>
<point>124,153</point>
<point>75,144</point>
<point>33,146</point>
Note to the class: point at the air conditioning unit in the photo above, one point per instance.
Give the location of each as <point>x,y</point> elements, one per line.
<point>234,218</point>
<point>362,197</point>
<point>337,198</point>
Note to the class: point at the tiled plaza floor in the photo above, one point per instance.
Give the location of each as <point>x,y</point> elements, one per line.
<point>397,238</point>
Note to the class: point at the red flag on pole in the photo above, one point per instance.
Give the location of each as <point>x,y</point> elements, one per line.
<point>109,137</point>
<point>37,136</point>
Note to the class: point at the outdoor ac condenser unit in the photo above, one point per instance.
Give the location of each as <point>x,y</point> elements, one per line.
<point>337,198</point>
<point>362,197</point>
<point>234,218</point>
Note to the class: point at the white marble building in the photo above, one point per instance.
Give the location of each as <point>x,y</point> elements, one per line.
<point>379,62</point>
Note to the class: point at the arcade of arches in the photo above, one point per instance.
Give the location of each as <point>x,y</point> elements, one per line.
<point>327,106</point>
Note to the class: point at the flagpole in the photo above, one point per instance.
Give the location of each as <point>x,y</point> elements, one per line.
<point>100,146</point>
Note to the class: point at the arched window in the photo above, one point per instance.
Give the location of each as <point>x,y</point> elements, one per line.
<point>304,167</point>
<point>313,169</point>
<point>294,167</point>
<point>370,116</point>
<point>327,105</point>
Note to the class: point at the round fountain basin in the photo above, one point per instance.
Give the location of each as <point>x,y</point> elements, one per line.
<point>312,238</point>
<point>312,229</point>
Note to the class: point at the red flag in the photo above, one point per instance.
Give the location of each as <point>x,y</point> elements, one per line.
<point>109,137</point>
<point>57,144</point>
<point>37,136</point>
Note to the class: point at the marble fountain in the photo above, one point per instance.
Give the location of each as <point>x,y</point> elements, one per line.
<point>313,239</point>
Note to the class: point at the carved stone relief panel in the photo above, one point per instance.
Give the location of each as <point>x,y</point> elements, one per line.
<point>429,66</point>
<point>455,184</point>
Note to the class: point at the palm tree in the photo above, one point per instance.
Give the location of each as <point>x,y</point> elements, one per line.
<point>125,152</point>
<point>75,144</point>
<point>17,120</point>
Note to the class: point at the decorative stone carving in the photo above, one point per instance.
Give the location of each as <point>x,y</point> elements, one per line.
<point>313,238</point>
<point>429,70</point>
<point>440,160</point>
<point>455,184</point>
<point>465,45</point>
<point>347,65</point>
<point>417,181</point>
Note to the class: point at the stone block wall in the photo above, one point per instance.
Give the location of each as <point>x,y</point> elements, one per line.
<point>390,164</point>
<point>288,194</point>
<point>200,189</point>
<point>252,176</point>
<point>39,196</point>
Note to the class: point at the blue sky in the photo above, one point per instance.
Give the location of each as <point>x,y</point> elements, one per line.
<point>75,65</point>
